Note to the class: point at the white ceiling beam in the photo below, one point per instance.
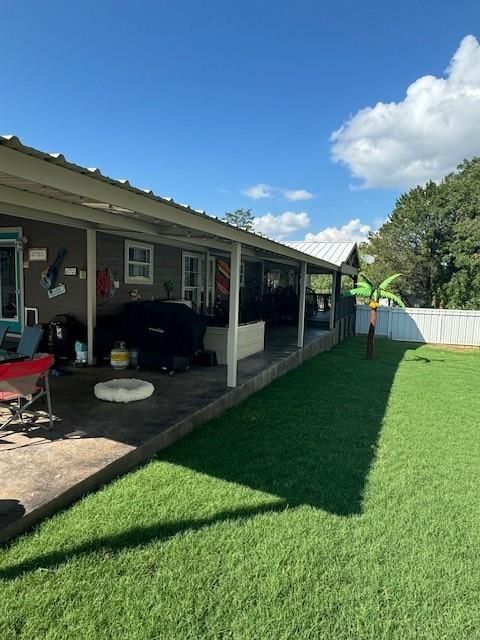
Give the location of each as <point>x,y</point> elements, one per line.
<point>42,216</point>
<point>37,202</point>
<point>164,240</point>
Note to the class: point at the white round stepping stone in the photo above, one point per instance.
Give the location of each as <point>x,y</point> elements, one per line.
<point>123,390</point>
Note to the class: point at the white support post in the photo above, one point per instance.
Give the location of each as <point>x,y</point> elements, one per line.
<point>233,311</point>
<point>205,277</point>
<point>332,300</point>
<point>301,305</point>
<point>91,290</point>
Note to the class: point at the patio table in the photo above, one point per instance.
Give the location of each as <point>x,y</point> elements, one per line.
<point>10,356</point>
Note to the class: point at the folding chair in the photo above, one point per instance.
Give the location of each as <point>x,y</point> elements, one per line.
<point>29,341</point>
<point>3,333</point>
<point>26,380</point>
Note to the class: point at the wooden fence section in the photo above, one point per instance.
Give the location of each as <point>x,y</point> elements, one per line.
<point>438,326</point>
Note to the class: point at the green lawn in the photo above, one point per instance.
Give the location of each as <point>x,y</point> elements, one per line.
<point>343,501</point>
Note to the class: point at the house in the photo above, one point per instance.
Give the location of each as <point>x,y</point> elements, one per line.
<point>112,242</point>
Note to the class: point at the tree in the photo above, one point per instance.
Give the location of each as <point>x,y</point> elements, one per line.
<point>366,289</point>
<point>412,242</point>
<point>432,237</point>
<point>462,202</point>
<point>242,218</point>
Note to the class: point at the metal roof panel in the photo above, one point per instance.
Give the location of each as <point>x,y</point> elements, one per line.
<point>334,252</point>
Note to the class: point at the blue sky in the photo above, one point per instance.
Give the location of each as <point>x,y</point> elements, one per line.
<point>205,101</point>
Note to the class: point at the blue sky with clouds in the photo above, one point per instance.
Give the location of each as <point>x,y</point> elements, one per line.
<point>316,115</point>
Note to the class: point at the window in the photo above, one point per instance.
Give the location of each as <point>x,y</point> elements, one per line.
<point>193,280</point>
<point>138,263</point>
<point>274,278</point>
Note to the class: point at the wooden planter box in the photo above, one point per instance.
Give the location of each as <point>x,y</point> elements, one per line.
<point>251,339</point>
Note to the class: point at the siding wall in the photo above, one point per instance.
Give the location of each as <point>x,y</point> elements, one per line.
<point>167,265</point>
<point>53,237</point>
<point>110,253</point>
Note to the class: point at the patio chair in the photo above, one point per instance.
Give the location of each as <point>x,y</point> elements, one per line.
<point>23,383</point>
<point>29,341</point>
<point>3,333</point>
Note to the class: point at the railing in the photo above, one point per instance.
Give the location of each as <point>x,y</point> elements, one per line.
<point>344,307</point>
<point>323,301</point>
<point>440,326</point>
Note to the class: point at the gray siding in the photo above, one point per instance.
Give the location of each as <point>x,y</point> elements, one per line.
<point>53,237</point>
<point>167,265</point>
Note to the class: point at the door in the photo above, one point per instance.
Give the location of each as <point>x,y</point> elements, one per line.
<point>11,262</point>
<point>193,286</point>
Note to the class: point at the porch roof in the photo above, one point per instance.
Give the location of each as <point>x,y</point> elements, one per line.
<point>47,183</point>
<point>343,254</point>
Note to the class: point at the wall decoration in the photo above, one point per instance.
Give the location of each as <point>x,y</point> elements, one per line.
<point>70,271</point>
<point>38,255</point>
<point>82,274</point>
<point>57,291</point>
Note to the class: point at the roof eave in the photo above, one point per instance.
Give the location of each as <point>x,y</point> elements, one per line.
<point>53,170</point>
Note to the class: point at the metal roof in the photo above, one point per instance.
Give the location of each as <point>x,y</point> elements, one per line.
<point>334,252</point>
<point>14,143</point>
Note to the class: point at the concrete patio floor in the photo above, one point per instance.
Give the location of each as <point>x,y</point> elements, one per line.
<point>94,441</point>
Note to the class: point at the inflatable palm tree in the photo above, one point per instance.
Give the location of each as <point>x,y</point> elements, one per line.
<point>366,289</point>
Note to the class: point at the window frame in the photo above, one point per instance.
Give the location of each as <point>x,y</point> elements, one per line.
<point>135,244</point>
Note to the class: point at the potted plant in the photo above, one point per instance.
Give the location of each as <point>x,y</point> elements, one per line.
<point>169,286</point>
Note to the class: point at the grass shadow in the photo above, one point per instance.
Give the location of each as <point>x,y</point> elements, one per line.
<point>132,538</point>
<point>310,437</point>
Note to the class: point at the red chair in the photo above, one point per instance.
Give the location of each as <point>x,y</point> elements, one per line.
<point>26,380</point>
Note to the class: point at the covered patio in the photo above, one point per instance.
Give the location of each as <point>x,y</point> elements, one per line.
<point>94,441</point>
<point>49,205</point>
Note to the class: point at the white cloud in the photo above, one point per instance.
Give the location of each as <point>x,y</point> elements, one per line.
<point>262,190</point>
<point>297,194</point>
<point>353,231</point>
<point>259,191</point>
<point>280,226</point>
<point>423,137</point>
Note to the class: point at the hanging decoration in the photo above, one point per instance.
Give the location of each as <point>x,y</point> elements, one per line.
<point>105,285</point>
<point>49,276</point>
<point>222,277</point>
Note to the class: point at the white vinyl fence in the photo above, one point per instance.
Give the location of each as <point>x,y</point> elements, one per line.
<point>442,326</point>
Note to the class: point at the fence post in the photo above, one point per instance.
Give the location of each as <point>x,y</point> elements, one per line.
<point>389,328</point>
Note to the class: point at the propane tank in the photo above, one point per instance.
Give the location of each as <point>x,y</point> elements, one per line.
<point>119,357</point>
